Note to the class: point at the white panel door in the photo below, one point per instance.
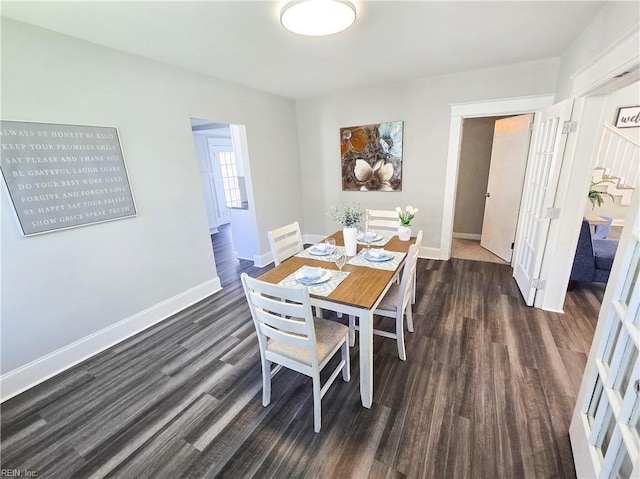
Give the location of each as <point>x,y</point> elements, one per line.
<point>207,182</point>
<point>509,151</point>
<point>222,212</point>
<point>541,180</point>
<point>605,428</point>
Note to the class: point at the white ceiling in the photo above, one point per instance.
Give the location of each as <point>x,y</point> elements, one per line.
<point>243,42</point>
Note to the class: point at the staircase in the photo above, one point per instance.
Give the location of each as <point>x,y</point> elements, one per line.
<point>618,163</point>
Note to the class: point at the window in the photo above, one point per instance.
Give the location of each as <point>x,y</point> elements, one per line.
<point>230,182</point>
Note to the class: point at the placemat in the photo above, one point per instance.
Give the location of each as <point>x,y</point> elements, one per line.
<point>322,289</point>
<point>391,265</point>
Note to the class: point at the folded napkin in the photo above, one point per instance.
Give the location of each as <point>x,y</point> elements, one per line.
<point>377,253</point>
<point>369,235</point>
<point>309,273</point>
<point>321,247</point>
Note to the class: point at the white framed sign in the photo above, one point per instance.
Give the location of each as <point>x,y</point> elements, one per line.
<point>62,176</point>
<point>628,117</point>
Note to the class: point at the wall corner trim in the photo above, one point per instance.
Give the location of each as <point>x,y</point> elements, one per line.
<point>619,57</point>
<point>31,374</point>
<point>432,253</point>
<point>262,260</point>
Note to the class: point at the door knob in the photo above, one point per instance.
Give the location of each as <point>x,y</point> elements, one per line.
<point>487,194</point>
<point>637,387</point>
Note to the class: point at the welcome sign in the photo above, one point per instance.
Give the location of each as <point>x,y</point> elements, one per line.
<point>628,117</point>
<point>62,176</point>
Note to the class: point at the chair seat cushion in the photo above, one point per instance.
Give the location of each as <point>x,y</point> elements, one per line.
<point>604,251</point>
<point>390,300</point>
<point>328,335</point>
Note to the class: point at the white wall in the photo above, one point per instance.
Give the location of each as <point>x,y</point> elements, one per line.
<point>611,24</point>
<point>62,287</point>
<point>425,108</point>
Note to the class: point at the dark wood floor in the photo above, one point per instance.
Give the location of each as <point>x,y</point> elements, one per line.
<point>487,392</point>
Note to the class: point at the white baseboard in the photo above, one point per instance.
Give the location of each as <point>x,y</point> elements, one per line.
<point>27,376</point>
<point>468,236</point>
<point>262,260</point>
<point>431,253</point>
<point>552,310</point>
<point>312,239</point>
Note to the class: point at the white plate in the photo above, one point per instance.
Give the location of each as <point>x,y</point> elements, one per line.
<point>317,252</point>
<point>326,276</point>
<point>377,237</point>
<point>380,259</point>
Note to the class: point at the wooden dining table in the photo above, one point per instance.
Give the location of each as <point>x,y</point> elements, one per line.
<point>358,294</point>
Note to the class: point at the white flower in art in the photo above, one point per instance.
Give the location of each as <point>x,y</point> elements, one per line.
<point>376,178</point>
<point>391,138</point>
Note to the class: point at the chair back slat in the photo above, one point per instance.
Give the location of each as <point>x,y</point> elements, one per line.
<point>285,242</point>
<point>382,220</point>
<point>289,317</point>
<point>282,314</point>
<point>408,274</point>
<point>286,338</point>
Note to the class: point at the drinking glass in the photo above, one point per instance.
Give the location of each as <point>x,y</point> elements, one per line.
<point>340,259</point>
<point>368,238</point>
<point>331,245</point>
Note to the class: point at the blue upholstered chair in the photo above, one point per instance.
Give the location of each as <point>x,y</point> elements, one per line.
<point>594,257</point>
<point>602,231</point>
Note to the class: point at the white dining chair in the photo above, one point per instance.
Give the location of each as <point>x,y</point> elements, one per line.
<point>285,242</point>
<point>418,243</point>
<point>396,303</point>
<point>382,220</point>
<point>289,336</point>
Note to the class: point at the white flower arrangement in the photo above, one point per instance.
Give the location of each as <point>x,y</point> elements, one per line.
<point>350,216</point>
<point>406,215</point>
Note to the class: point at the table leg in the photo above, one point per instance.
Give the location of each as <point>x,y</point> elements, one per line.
<point>366,357</point>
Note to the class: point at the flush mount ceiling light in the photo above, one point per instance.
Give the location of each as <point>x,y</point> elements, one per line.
<point>317,17</point>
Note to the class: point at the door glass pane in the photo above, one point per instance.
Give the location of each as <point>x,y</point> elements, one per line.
<point>595,401</point>
<point>634,421</point>
<point>632,277</point>
<point>612,340</point>
<point>605,438</point>
<point>623,466</point>
<point>627,367</point>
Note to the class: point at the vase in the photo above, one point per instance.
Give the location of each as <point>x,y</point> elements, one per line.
<point>350,236</point>
<point>404,233</point>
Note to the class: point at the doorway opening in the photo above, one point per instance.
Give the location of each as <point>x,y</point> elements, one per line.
<point>226,186</point>
<point>493,156</point>
<point>613,180</point>
<point>485,113</point>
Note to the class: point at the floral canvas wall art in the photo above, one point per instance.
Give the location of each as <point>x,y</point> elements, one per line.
<point>372,157</point>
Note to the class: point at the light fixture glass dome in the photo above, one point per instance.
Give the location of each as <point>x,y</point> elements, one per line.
<point>318,17</point>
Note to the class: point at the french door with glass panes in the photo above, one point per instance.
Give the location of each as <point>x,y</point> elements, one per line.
<point>605,428</point>
<point>540,185</point>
